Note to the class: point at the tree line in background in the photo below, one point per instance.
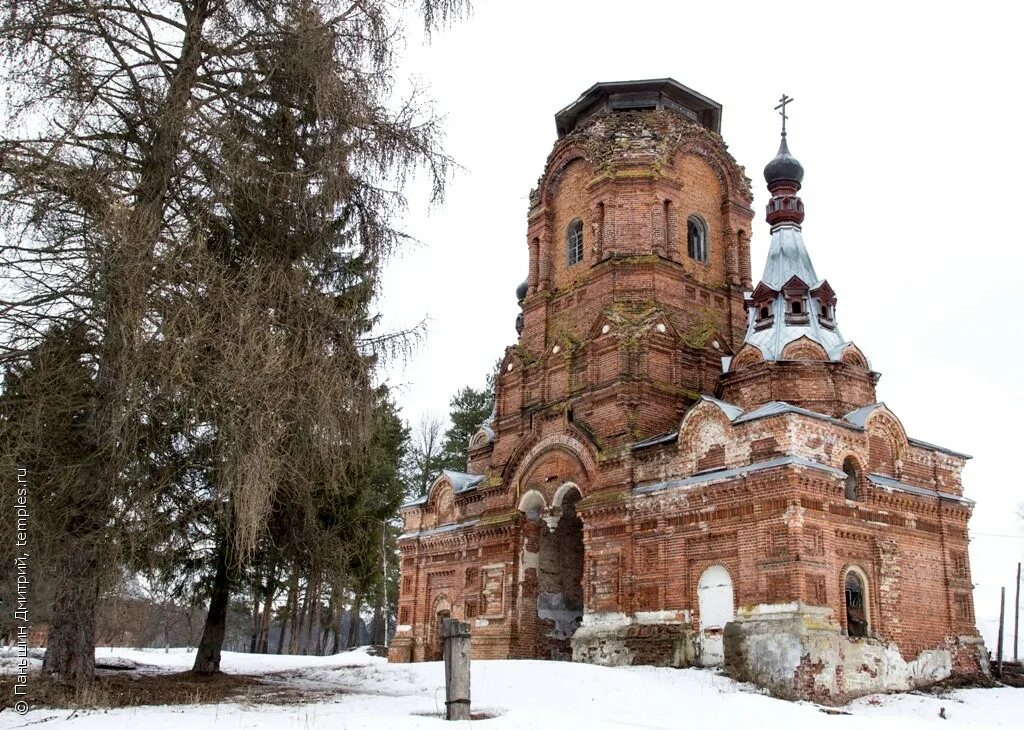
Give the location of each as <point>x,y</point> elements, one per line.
<point>433,447</point>
<point>196,199</point>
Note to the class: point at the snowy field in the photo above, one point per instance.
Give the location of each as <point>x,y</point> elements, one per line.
<point>355,692</point>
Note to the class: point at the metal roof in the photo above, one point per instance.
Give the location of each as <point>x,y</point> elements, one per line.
<point>723,474</point>
<point>889,483</point>
<point>860,416</point>
<point>731,411</point>
<point>640,94</point>
<point>854,420</point>
<point>461,482</point>
<point>663,438</point>
<point>777,408</point>
<point>788,257</point>
<point>925,445</point>
<point>439,530</point>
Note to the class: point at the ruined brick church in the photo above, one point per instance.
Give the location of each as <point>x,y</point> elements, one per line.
<point>684,466</point>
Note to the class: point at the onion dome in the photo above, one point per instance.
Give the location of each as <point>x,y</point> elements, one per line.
<point>791,303</point>
<point>521,290</point>
<point>784,167</point>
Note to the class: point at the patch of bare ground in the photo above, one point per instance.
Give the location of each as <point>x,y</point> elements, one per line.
<point>131,689</point>
<point>960,681</point>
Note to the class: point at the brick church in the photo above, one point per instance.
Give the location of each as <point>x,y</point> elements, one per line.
<point>685,466</point>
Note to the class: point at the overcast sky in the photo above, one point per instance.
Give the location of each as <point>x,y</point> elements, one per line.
<point>907,121</point>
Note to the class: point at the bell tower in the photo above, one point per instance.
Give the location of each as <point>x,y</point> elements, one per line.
<point>638,235</point>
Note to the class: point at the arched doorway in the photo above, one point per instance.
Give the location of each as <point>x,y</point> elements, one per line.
<point>715,607</point>
<point>856,595</point>
<point>435,644</point>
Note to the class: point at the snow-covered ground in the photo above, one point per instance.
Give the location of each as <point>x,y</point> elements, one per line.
<point>531,695</point>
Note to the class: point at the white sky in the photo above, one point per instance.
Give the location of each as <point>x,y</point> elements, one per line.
<point>907,121</point>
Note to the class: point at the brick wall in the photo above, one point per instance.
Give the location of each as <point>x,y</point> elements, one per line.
<point>620,347</point>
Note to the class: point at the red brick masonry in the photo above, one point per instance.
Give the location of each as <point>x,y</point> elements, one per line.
<point>579,507</point>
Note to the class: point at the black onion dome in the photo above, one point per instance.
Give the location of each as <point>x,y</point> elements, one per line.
<point>784,167</point>
<point>521,290</point>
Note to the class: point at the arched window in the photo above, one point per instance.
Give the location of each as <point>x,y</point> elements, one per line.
<point>574,242</point>
<point>852,483</point>
<point>696,239</point>
<point>856,604</point>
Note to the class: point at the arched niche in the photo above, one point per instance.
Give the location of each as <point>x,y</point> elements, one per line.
<point>804,348</point>
<point>748,355</point>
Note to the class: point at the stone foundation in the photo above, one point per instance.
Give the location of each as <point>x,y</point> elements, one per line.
<point>619,641</point>
<point>797,651</point>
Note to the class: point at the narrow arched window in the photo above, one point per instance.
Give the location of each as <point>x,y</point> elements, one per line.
<point>851,483</point>
<point>574,242</point>
<point>856,605</point>
<point>696,239</point>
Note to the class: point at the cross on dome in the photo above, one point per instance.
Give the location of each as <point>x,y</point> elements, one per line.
<point>781,109</point>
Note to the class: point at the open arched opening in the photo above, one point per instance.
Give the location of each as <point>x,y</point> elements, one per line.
<point>532,505</point>
<point>856,598</point>
<point>851,484</point>
<point>560,579</point>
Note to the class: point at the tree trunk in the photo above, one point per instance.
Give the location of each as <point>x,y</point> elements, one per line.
<point>353,625</point>
<point>254,633</point>
<point>71,646</point>
<point>313,640</point>
<point>289,617</point>
<point>336,616</point>
<point>299,635</point>
<point>332,608</point>
<point>377,634</point>
<point>263,644</point>
<point>208,654</point>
